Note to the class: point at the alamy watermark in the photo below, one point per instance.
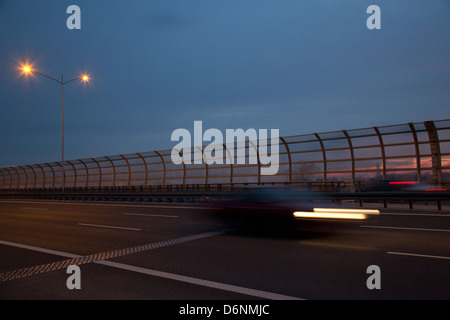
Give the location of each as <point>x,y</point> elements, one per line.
<point>74,20</point>
<point>227,149</point>
<point>74,281</point>
<point>374,280</point>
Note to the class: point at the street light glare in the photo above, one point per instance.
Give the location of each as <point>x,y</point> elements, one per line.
<point>26,68</point>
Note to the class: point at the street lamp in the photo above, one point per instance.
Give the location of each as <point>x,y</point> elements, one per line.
<point>85,78</point>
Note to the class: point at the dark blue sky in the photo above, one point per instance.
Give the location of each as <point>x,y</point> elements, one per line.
<point>298,66</point>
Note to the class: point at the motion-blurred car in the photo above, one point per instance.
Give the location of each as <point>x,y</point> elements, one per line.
<point>257,206</point>
<point>399,186</point>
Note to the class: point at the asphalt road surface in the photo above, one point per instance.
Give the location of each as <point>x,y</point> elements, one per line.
<point>184,252</point>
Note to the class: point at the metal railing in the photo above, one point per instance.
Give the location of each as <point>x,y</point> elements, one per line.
<point>413,151</point>
<point>321,192</point>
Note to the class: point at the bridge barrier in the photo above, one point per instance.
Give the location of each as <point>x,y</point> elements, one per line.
<point>329,192</point>
<point>413,151</point>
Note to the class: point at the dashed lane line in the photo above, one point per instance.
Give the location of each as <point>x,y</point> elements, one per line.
<point>102,259</point>
<point>405,228</point>
<point>446,215</point>
<point>80,260</point>
<point>150,215</point>
<point>108,227</point>
<point>419,255</point>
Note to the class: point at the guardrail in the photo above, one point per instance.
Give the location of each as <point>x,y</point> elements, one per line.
<point>391,197</point>
<point>203,193</point>
<point>149,193</point>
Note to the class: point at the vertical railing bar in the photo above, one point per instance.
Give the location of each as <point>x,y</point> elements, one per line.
<point>164,167</point>
<point>99,172</point>
<point>289,158</point>
<point>129,169</point>
<point>26,176</point>
<point>436,160</point>
<point>206,164</point>
<point>257,159</point>
<point>324,157</point>
<point>34,176</point>
<point>383,151</point>
<point>74,172</point>
<point>53,173</point>
<point>43,175</point>
<point>417,149</point>
<point>146,169</point>
<point>87,172</point>
<point>3,178</point>
<point>18,177</point>
<point>352,154</point>
<point>10,177</point>
<point>114,171</point>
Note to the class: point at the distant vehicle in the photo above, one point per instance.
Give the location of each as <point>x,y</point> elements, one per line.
<point>399,186</point>
<point>277,206</point>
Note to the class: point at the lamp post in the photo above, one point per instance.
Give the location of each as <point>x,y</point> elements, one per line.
<point>85,78</point>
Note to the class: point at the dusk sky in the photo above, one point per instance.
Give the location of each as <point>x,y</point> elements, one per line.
<point>158,65</point>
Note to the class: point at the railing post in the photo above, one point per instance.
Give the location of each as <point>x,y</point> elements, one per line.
<point>435,152</point>
<point>324,156</point>
<point>383,151</point>
<point>417,149</point>
<point>352,154</point>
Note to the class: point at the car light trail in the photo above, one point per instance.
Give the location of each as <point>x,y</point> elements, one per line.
<point>330,213</point>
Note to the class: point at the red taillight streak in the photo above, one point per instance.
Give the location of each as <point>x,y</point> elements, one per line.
<point>403,182</point>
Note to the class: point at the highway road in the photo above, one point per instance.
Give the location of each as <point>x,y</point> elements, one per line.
<point>184,252</point>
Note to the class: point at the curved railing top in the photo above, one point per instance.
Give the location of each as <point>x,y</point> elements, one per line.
<point>415,151</point>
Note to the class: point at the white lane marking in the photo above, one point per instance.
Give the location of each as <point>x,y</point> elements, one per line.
<point>110,227</point>
<point>150,215</point>
<point>166,275</point>
<point>418,255</point>
<point>29,208</point>
<point>415,214</point>
<point>34,270</point>
<point>404,228</point>
<point>199,282</point>
<point>43,250</point>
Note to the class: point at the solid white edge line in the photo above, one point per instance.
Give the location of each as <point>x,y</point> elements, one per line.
<point>199,282</point>
<point>404,228</point>
<point>43,250</point>
<point>165,275</point>
<point>150,215</point>
<point>415,214</point>
<point>418,255</point>
<point>110,227</point>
